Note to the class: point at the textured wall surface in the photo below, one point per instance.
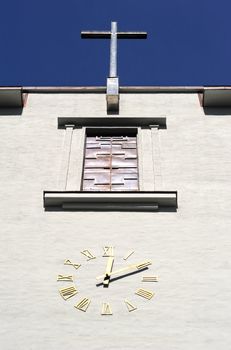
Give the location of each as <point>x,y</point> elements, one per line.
<point>190,248</point>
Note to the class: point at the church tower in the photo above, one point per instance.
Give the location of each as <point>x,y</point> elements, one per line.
<point>115,215</point>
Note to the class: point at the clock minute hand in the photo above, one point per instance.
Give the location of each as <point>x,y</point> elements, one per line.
<point>140,266</point>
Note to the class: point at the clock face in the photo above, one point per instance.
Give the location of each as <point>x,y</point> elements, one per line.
<point>106,280</point>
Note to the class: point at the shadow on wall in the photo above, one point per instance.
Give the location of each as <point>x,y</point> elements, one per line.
<point>161,209</point>
<point>217,111</point>
<point>11,111</point>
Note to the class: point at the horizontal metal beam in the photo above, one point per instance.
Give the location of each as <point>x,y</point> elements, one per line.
<point>96,35</point>
<point>107,35</point>
<point>122,89</point>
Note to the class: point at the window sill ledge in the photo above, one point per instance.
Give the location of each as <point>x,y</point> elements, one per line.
<point>110,201</point>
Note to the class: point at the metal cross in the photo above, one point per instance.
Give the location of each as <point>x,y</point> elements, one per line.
<point>113,81</point>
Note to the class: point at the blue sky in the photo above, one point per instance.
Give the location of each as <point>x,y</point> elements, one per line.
<point>188,42</point>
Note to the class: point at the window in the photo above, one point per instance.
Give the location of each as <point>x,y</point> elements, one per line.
<point>110,164</point>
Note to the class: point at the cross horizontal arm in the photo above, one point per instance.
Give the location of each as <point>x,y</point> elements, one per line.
<point>107,35</point>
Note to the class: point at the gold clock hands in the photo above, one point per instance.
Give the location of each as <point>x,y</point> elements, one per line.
<point>109,266</point>
<point>108,271</point>
<point>139,266</point>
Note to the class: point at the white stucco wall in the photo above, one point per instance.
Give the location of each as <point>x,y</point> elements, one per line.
<point>190,248</point>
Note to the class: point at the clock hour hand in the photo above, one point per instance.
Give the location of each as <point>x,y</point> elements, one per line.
<point>108,271</point>
<point>139,266</point>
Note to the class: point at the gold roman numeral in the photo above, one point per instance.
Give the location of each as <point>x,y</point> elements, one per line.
<point>68,292</point>
<point>129,305</point>
<point>83,304</point>
<point>68,278</point>
<point>150,279</point>
<point>143,265</point>
<point>106,309</point>
<point>147,294</point>
<point>88,254</point>
<point>128,255</point>
<point>108,251</point>
<point>68,262</point>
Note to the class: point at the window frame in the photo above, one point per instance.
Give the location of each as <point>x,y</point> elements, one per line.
<point>150,196</point>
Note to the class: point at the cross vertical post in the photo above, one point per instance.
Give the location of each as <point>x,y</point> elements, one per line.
<point>113,51</point>
<point>112,94</point>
